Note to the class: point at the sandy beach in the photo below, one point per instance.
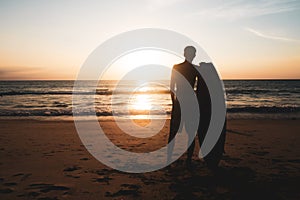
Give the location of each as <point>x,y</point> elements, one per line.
<point>46,160</point>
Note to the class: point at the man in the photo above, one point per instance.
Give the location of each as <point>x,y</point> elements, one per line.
<point>177,86</point>
<point>178,89</point>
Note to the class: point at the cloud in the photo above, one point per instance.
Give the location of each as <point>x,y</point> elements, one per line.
<point>17,72</point>
<point>238,9</point>
<point>271,37</point>
<point>33,73</point>
<point>159,4</point>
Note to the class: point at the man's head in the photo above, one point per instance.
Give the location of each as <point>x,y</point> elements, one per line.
<point>189,53</point>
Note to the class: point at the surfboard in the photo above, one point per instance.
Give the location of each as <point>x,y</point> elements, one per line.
<point>213,158</point>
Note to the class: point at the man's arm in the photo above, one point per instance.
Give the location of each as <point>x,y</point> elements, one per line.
<point>196,78</point>
<point>172,85</point>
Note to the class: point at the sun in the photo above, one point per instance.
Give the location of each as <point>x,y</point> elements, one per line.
<point>128,62</point>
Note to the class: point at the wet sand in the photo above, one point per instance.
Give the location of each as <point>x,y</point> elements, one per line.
<point>46,160</point>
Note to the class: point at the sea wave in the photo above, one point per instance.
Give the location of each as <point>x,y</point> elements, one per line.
<point>264,109</point>
<point>229,91</point>
<point>68,112</point>
<point>98,92</point>
<point>261,91</point>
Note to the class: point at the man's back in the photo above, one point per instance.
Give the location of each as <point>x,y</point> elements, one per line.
<point>183,79</point>
<point>188,71</point>
<point>182,84</point>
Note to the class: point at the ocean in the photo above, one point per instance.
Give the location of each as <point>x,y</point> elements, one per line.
<point>245,99</point>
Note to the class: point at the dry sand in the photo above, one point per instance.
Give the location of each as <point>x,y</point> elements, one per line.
<point>46,160</point>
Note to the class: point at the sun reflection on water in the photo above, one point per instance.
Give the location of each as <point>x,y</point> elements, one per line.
<point>141,102</point>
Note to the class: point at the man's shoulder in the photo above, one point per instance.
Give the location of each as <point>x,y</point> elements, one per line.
<point>178,66</point>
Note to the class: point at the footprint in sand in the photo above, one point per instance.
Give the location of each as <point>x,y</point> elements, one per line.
<point>40,189</point>
<point>22,175</point>
<point>45,187</point>
<point>6,191</point>
<point>10,184</point>
<point>260,153</point>
<point>102,179</point>
<point>231,160</point>
<point>71,169</point>
<point>29,194</point>
<point>127,190</point>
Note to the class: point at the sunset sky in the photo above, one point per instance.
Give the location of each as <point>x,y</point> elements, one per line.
<point>245,39</point>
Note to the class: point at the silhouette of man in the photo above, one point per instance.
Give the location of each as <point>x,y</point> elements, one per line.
<point>177,87</point>
<point>191,74</point>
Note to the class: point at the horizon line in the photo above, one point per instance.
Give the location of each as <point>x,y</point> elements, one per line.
<point>230,79</point>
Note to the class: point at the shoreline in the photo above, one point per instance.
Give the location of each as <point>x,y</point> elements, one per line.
<point>230,116</point>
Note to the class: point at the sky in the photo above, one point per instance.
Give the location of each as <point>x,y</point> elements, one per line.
<point>245,39</point>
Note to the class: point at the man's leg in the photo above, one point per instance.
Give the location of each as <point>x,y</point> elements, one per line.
<point>190,151</point>
<point>172,134</point>
<point>174,126</point>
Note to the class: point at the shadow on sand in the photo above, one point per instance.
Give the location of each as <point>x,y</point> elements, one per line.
<point>226,183</point>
